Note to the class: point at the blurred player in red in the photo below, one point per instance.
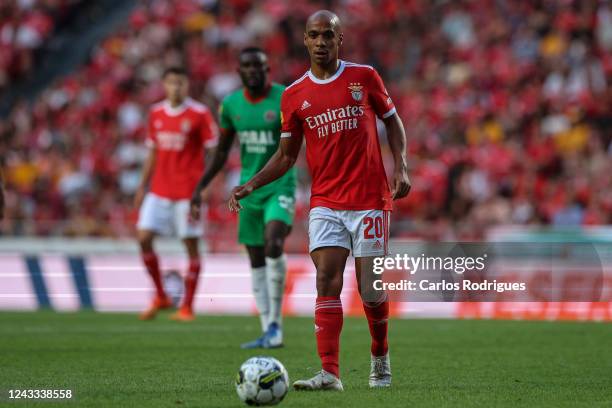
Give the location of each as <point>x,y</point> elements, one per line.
<point>334,106</point>
<point>179,131</point>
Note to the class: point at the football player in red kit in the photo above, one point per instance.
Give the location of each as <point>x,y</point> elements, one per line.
<point>179,131</point>
<point>334,106</point>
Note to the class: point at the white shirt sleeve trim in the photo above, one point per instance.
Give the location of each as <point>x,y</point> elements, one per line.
<point>209,144</point>
<point>390,113</point>
<point>285,134</point>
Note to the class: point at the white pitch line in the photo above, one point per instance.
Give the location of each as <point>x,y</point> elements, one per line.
<point>249,296</point>
<point>31,295</point>
<point>239,275</point>
<point>225,275</point>
<point>204,273</point>
<point>116,268</point>
<point>67,275</point>
<point>120,289</point>
<point>203,295</point>
<point>200,295</point>
<point>44,274</point>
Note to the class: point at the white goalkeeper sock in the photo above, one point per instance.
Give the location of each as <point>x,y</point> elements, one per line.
<point>276,271</point>
<point>260,291</point>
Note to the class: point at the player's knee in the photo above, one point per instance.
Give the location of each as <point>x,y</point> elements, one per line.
<point>146,242</point>
<point>329,284</point>
<point>371,297</point>
<point>191,246</point>
<point>275,234</point>
<point>274,248</point>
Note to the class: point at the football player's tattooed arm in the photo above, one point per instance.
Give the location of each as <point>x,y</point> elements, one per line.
<point>147,169</point>
<point>397,142</point>
<point>219,159</point>
<point>277,166</point>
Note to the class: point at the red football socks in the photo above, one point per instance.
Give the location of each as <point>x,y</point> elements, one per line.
<point>152,264</point>
<point>191,282</point>
<point>328,325</point>
<point>378,317</point>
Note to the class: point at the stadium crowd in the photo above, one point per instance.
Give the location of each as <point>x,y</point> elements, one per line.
<point>507,105</point>
<point>24,27</point>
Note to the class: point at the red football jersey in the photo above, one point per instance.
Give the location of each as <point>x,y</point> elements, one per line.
<point>337,117</point>
<point>179,136</point>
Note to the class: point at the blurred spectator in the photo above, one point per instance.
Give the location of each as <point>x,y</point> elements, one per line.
<point>24,27</point>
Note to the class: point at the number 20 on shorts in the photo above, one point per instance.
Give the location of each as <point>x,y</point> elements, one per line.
<point>375,224</point>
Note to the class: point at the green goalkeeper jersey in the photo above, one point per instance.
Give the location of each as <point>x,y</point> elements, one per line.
<point>257,125</point>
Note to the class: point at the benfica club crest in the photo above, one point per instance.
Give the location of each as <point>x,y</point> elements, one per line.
<point>356,91</point>
<point>185,126</point>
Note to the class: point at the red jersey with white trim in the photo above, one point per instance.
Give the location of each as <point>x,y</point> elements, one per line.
<point>337,117</point>
<point>179,136</point>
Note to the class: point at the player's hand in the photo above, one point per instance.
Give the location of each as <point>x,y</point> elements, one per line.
<point>138,197</point>
<point>401,184</point>
<point>238,193</point>
<point>194,207</point>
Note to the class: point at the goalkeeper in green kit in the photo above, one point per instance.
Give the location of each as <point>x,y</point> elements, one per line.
<point>253,113</point>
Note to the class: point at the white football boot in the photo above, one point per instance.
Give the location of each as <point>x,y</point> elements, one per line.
<point>322,381</point>
<point>380,372</point>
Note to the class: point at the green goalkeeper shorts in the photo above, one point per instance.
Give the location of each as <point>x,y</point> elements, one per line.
<point>259,209</point>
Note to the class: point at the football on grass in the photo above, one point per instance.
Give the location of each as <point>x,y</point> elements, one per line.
<point>262,381</point>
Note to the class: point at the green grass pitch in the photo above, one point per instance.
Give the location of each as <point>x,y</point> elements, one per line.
<point>114,360</point>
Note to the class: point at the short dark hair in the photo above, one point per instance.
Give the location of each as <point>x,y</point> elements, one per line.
<point>174,70</point>
<point>252,49</point>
